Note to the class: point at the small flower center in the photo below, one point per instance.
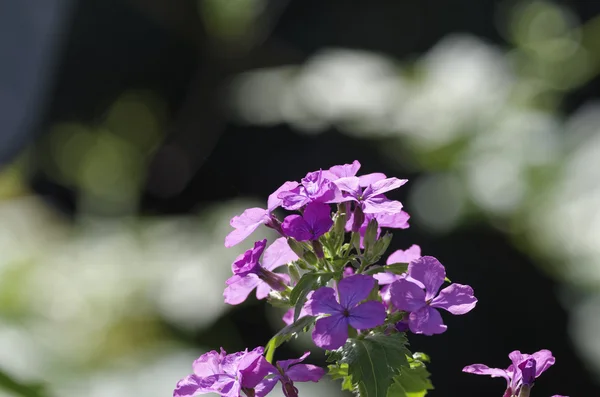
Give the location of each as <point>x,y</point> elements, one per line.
<point>346,313</point>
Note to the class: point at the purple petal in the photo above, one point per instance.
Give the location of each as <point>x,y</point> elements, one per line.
<point>318,217</point>
<point>407,296</point>
<point>295,226</point>
<point>428,271</point>
<point>406,256</point>
<point>456,298</point>
<point>393,220</point>
<point>248,261</point>
<point>342,171</point>
<point>237,292</point>
<point>322,301</point>
<point>288,317</point>
<point>278,254</point>
<point>294,199</point>
<point>262,290</point>
<point>305,373</point>
<point>385,278</point>
<point>369,179</point>
<point>253,368</point>
<point>354,289</point>
<point>480,369</point>
<point>384,185</point>
<point>381,204</point>
<point>207,364</point>
<point>527,368</point>
<point>544,360</point>
<point>265,386</point>
<point>285,364</point>
<point>349,185</point>
<point>245,224</point>
<point>274,201</point>
<point>426,321</point>
<point>330,332</point>
<point>367,315</point>
<point>193,385</point>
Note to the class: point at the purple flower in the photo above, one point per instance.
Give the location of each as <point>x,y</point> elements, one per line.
<point>248,273</point>
<point>225,374</point>
<point>524,369</point>
<point>394,221</point>
<point>314,187</point>
<point>331,332</point>
<point>288,372</point>
<point>249,220</point>
<point>417,294</point>
<point>371,200</point>
<point>312,224</point>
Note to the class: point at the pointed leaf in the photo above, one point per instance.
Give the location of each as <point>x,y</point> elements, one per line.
<point>413,381</point>
<point>373,362</point>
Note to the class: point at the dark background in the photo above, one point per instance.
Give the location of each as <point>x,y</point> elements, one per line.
<point>89,52</point>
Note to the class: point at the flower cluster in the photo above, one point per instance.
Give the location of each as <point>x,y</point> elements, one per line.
<point>326,267</point>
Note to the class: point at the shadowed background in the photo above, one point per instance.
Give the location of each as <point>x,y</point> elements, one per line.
<point>132,131</point>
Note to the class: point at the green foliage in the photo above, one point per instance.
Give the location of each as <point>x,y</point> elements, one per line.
<point>412,381</point>
<point>17,388</point>
<point>341,372</point>
<point>373,362</point>
<point>307,283</point>
<point>287,333</point>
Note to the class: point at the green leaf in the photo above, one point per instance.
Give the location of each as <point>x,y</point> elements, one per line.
<point>341,372</point>
<point>374,361</point>
<point>413,381</point>
<point>286,334</point>
<point>307,283</point>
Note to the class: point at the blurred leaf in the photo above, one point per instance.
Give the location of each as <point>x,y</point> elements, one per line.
<point>17,388</point>
<point>413,381</point>
<point>341,372</point>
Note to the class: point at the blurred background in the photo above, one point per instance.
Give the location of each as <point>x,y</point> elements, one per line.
<point>131,131</point>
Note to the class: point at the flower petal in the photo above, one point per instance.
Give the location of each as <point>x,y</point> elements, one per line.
<point>237,292</point>
<point>369,179</point>
<point>342,171</point>
<point>406,256</point>
<point>385,278</point>
<point>397,220</point>
<point>193,385</point>
<point>381,204</point>
<point>384,185</point>
<point>318,217</point>
<point>207,364</point>
<point>295,226</point>
<point>286,364</point>
<point>354,289</point>
<point>349,185</point>
<point>330,332</point>
<point>274,201</point>
<point>544,360</point>
<point>429,271</point>
<point>407,295</point>
<point>426,321</point>
<point>305,373</point>
<point>265,386</point>
<point>322,301</point>
<point>253,368</point>
<point>527,369</point>
<point>278,254</point>
<point>480,369</point>
<point>367,315</point>
<point>248,261</point>
<point>456,298</point>
<point>245,224</point>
